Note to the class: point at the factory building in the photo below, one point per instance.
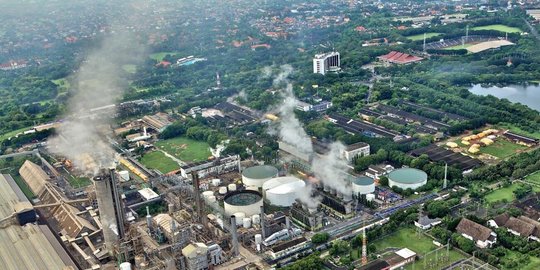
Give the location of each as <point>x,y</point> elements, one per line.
<point>256,176</point>
<point>407,178</point>
<point>159,122</point>
<point>196,256</point>
<point>363,185</point>
<point>247,202</point>
<point>212,167</point>
<point>326,62</point>
<point>352,151</point>
<point>283,191</point>
<point>310,219</point>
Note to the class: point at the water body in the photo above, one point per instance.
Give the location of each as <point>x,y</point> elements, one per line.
<point>527,95</point>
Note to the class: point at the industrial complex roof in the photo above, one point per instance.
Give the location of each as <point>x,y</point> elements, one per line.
<point>363,181</point>
<point>408,176</point>
<point>283,185</point>
<point>245,197</point>
<point>25,247</point>
<point>260,172</point>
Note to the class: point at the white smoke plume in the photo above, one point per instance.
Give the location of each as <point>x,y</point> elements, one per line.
<point>99,82</point>
<point>331,168</point>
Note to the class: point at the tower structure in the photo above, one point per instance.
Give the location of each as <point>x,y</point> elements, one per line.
<point>364,246</point>
<point>445,183</point>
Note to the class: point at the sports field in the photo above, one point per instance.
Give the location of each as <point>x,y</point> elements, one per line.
<point>185,149</point>
<point>498,27</point>
<point>421,36</point>
<point>502,148</point>
<point>458,47</point>
<point>160,55</point>
<point>421,244</point>
<point>159,161</point>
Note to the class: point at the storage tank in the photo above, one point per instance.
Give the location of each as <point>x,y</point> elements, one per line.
<point>216,182</point>
<point>232,187</point>
<point>212,199</point>
<point>239,217</point>
<point>207,194</point>
<point>125,266</point>
<point>407,178</point>
<point>245,201</point>
<point>283,191</point>
<point>255,219</point>
<point>363,185</point>
<point>246,223</point>
<point>256,176</point>
<point>222,190</point>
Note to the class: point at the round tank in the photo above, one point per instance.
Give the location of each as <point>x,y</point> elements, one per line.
<point>239,216</point>
<point>258,239</point>
<point>407,178</point>
<point>257,175</point>
<point>283,191</point>
<point>245,201</point>
<point>125,266</point>
<point>212,199</point>
<point>222,190</point>
<point>232,187</point>
<point>246,223</point>
<point>208,193</point>
<point>216,182</point>
<point>255,219</point>
<point>363,185</point>
<point>370,197</point>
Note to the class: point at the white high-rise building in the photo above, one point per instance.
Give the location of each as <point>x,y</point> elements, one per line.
<point>326,62</point>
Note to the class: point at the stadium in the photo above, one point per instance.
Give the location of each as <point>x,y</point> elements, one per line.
<point>473,43</point>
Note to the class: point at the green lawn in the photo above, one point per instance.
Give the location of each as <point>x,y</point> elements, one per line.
<point>23,186</point>
<point>185,149</point>
<point>498,27</point>
<point>419,243</point>
<point>160,55</point>
<point>458,47</point>
<point>502,148</point>
<point>520,131</point>
<point>130,68</point>
<point>534,262</point>
<point>506,193</point>
<point>159,161</point>
<point>6,136</point>
<point>534,178</point>
<point>63,84</point>
<point>421,36</point>
<point>78,182</point>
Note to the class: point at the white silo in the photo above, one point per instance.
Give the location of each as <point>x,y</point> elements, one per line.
<point>246,222</point>
<point>222,190</point>
<point>207,194</point>
<point>363,185</point>
<point>232,187</point>
<point>256,219</point>
<point>239,217</point>
<point>216,182</point>
<point>283,191</point>
<point>258,241</point>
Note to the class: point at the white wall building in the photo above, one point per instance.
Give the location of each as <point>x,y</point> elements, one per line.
<point>327,62</point>
<point>355,150</point>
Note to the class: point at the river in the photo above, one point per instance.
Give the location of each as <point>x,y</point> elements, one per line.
<point>526,95</point>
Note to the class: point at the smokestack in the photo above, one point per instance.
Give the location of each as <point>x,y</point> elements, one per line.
<point>445,183</point>
<point>234,236</point>
<point>263,217</point>
<point>171,208</point>
<point>144,131</point>
<point>148,219</point>
<point>287,222</point>
<point>198,201</point>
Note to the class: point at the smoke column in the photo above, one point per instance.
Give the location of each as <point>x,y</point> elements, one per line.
<point>99,82</point>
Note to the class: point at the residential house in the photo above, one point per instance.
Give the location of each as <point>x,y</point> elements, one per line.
<point>482,236</point>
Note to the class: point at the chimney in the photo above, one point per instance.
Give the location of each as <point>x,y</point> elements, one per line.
<point>234,235</point>
<point>144,131</point>
<point>263,221</point>
<point>287,222</point>
<point>148,219</point>
<point>198,201</point>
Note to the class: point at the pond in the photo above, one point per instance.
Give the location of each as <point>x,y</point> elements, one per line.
<point>525,94</point>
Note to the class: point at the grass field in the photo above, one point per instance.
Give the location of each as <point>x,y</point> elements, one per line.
<point>421,244</point>
<point>63,84</point>
<point>534,263</point>
<point>534,178</point>
<point>185,149</point>
<point>159,161</point>
<point>130,68</point>
<point>501,194</point>
<point>502,148</point>
<point>6,136</point>
<point>458,47</point>
<point>421,36</point>
<point>520,131</point>
<point>160,55</point>
<point>498,27</point>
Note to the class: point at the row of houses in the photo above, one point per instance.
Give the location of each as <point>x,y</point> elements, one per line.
<point>521,226</point>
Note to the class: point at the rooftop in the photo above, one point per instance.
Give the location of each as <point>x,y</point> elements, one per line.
<point>260,172</point>
<point>408,175</point>
<point>473,229</point>
<point>363,181</point>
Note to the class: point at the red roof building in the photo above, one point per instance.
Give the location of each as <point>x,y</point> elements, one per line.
<point>360,29</point>
<point>399,58</point>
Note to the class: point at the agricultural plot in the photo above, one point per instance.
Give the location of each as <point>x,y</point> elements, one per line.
<point>498,27</point>
<point>502,148</point>
<point>421,36</point>
<point>185,149</point>
<point>159,161</point>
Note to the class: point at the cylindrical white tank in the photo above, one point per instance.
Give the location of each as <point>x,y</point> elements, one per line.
<point>212,199</point>
<point>125,266</point>
<point>256,219</point>
<point>239,217</point>
<point>257,175</point>
<point>283,191</point>
<point>363,185</point>
<point>216,182</point>
<point>208,193</point>
<point>258,239</point>
<point>222,190</point>
<point>370,197</point>
<point>232,187</point>
<point>246,223</point>
<point>245,201</point>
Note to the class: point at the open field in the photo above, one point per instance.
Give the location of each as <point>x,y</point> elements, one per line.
<point>534,262</point>
<point>498,27</point>
<point>6,136</point>
<point>159,161</point>
<point>159,56</point>
<point>185,149</point>
<point>421,36</point>
<point>419,243</point>
<point>520,131</point>
<point>534,178</point>
<point>130,68</point>
<point>502,148</point>
<point>501,194</point>
<point>63,84</point>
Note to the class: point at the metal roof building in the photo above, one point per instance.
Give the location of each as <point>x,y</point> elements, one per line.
<point>30,246</point>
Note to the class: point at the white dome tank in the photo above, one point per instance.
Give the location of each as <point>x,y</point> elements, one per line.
<point>125,266</point>
<point>246,223</point>
<point>222,190</point>
<point>208,193</point>
<point>283,191</point>
<point>232,187</point>
<point>216,182</point>
<point>212,199</point>
<point>256,219</point>
<point>239,216</point>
